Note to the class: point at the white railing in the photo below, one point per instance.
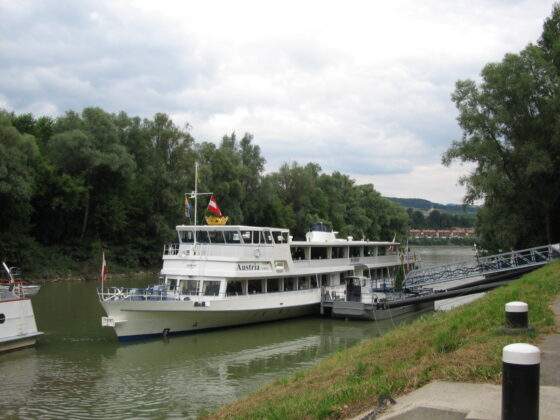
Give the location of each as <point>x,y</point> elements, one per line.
<point>123,293</point>
<point>379,261</point>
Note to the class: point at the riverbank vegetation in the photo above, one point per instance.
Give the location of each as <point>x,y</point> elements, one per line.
<point>463,344</point>
<point>84,182</point>
<point>436,219</point>
<point>512,136</point>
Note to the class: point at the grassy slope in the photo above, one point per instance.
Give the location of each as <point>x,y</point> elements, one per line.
<point>461,345</point>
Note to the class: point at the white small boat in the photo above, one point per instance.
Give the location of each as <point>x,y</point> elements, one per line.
<point>18,328</point>
<point>15,283</point>
<point>27,289</point>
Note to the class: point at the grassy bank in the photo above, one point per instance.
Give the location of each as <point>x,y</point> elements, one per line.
<point>461,345</point>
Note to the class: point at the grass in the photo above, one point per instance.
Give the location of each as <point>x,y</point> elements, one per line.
<point>464,344</point>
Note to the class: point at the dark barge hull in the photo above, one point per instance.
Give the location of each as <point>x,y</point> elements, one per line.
<point>358,310</point>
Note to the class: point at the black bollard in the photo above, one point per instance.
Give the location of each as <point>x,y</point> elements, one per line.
<point>517,315</point>
<point>520,382</point>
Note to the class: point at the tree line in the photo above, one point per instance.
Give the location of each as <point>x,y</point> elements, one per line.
<point>438,220</point>
<point>82,182</point>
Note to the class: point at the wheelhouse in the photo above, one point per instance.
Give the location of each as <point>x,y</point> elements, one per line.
<point>232,235</point>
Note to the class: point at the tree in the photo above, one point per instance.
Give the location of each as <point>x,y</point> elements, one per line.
<point>511,132</point>
<point>18,164</point>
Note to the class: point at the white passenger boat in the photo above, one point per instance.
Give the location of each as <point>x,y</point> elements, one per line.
<point>220,276</point>
<point>17,321</point>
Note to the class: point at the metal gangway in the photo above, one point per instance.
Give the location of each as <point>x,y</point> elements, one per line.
<point>504,263</point>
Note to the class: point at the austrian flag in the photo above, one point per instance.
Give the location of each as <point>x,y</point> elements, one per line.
<point>213,206</point>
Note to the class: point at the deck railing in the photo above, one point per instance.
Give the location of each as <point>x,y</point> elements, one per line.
<point>123,293</point>
<point>483,266</point>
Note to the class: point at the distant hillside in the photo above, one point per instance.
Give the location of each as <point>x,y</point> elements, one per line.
<point>425,205</point>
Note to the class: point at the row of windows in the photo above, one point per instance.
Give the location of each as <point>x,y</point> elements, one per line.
<point>320,252</point>
<point>234,237</point>
<point>212,287</point>
<point>235,287</point>
<point>191,287</point>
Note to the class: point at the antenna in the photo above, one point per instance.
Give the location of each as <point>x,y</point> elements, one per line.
<point>195,194</point>
<point>9,272</point>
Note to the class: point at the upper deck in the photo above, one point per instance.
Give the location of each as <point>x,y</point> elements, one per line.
<point>249,251</point>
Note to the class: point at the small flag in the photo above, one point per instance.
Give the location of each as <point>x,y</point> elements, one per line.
<point>213,206</point>
<point>104,269</point>
<point>187,208</point>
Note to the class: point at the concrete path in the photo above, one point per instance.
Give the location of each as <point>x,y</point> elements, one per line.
<point>550,354</point>
<point>458,401</point>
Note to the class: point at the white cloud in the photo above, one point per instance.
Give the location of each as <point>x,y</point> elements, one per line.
<point>437,182</point>
<point>360,87</point>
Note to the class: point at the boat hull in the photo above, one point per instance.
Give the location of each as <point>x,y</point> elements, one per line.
<point>18,343</point>
<point>143,319</point>
<point>17,324</point>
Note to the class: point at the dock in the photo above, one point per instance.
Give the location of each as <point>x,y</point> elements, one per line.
<point>359,299</point>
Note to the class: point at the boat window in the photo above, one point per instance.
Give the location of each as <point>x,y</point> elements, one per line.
<point>187,236</point>
<point>172,284</point>
<point>289,283</point>
<point>382,250</point>
<point>256,236</point>
<point>314,282</point>
<point>246,235</point>
<point>232,237</point>
<point>273,285</point>
<point>338,252</point>
<point>324,279</point>
<point>216,236</point>
<point>369,251</point>
<point>318,252</point>
<point>189,287</point>
<point>298,253</point>
<point>277,236</point>
<point>267,236</point>
<point>202,236</point>
<point>254,286</point>
<point>354,251</point>
<point>211,288</point>
<point>303,283</point>
<point>234,288</point>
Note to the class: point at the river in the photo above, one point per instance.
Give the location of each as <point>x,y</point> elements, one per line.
<point>79,370</point>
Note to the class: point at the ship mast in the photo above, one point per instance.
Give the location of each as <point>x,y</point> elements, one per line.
<point>195,194</point>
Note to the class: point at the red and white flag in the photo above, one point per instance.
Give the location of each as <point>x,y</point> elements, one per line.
<point>213,206</point>
<point>104,269</point>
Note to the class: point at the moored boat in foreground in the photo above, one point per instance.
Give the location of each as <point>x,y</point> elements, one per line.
<point>18,328</point>
<point>220,276</point>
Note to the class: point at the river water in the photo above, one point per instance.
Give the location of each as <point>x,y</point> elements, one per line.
<point>79,370</point>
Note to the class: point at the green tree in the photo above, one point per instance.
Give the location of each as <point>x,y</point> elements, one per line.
<point>511,132</point>
<point>19,156</point>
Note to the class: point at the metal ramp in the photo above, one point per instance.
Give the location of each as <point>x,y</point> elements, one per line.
<point>489,266</point>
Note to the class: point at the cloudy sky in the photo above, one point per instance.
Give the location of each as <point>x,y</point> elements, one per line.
<point>359,87</point>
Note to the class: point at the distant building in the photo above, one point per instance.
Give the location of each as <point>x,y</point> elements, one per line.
<point>455,232</point>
